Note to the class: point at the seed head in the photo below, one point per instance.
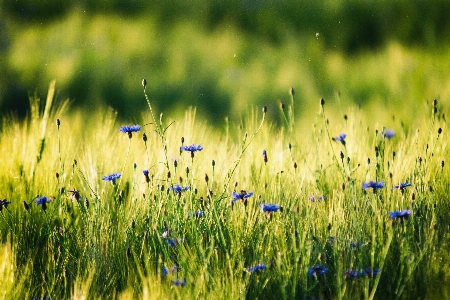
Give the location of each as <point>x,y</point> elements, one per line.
<point>264,109</point>
<point>144,83</point>
<point>322,102</point>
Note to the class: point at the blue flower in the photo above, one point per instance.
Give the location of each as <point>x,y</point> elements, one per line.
<point>373,185</point>
<point>370,272</point>
<point>112,177</point>
<point>179,282</point>
<point>403,185</point>
<point>257,268</point>
<point>352,274</point>
<point>43,200</point>
<point>400,214</point>
<point>178,188</point>
<point>174,242</point>
<point>317,270</point>
<point>129,129</point>
<point>192,148</point>
<point>164,271</point>
<point>145,172</point>
<point>356,245</point>
<point>241,196</point>
<point>268,208</point>
<point>340,138</point>
<point>75,195</point>
<point>388,133</point>
<point>4,203</point>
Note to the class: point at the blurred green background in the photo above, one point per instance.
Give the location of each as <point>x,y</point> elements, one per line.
<point>225,57</point>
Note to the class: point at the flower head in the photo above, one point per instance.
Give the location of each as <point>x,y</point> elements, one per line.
<point>340,138</point>
<point>317,270</point>
<point>43,200</point>
<point>112,177</point>
<point>145,172</point>
<point>75,196</point>
<point>388,133</point>
<point>241,196</point>
<point>404,214</point>
<point>373,185</point>
<point>4,203</point>
<point>403,185</point>
<point>268,208</point>
<point>130,129</point>
<point>192,148</point>
<point>357,245</point>
<point>179,282</point>
<point>178,188</point>
<point>257,268</point>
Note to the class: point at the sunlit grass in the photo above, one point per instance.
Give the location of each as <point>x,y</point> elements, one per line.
<point>114,239</point>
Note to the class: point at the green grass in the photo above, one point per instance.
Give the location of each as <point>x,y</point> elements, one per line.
<point>109,243</point>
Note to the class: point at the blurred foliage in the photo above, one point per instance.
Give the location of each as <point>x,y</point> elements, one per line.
<point>224,57</point>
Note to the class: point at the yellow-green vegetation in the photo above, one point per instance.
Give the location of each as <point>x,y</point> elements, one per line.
<point>256,211</point>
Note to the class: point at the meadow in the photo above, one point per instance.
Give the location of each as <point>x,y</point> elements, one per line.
<point>341,207</point>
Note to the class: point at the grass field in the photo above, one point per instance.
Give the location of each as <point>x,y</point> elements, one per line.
<point>71,229</point>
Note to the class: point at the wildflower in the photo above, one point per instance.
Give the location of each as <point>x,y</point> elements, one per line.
<point>4,203</point>
<point>373,185</point>
<point>241,196</point>
<point>164,271</point>
<point>192,148</point>
<point>265,156</point>
<point>43,200</point>
<point>145,172</point>
<point>317,270</point>
<point>112,177</point>
<point>257,268</point>
<point>370,272</point>
<point>352,274</point>
<point>75,196</point>
<point>388,133</point>
<point>356,245</point>
<point>268,208</point>
<point>400,214</point>
<point>179,282</point>
<point>340,138</point>
<point>320,198</point>
<point>403,185</point>
<point>130,129</point>
<point>178,188</point>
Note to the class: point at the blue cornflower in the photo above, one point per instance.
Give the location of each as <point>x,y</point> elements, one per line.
<point>317,270</point>
<point>400,214</point>
<point>403,185</point>
<point>112,177</point>
<point>388,133</point>
<point>320,198</point>
<point>268,208</point>
<point>352,274</point>
<point>4,203</point>
<point>75,196</point>
<point>265,156</point>
<point>192,148</point>
<point>370,272</point>
<point>145,172</point>
<point>356,245</point>
<point>164,271</point>
<point>43,200</point>
<point>178,188</point>
<point>340,138</point>
<point>257,268</point>
<point>373,185</point>
<point>130,129</point>
<point>179,282</point>
<point>241,196</point>
<point>174,242</point>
